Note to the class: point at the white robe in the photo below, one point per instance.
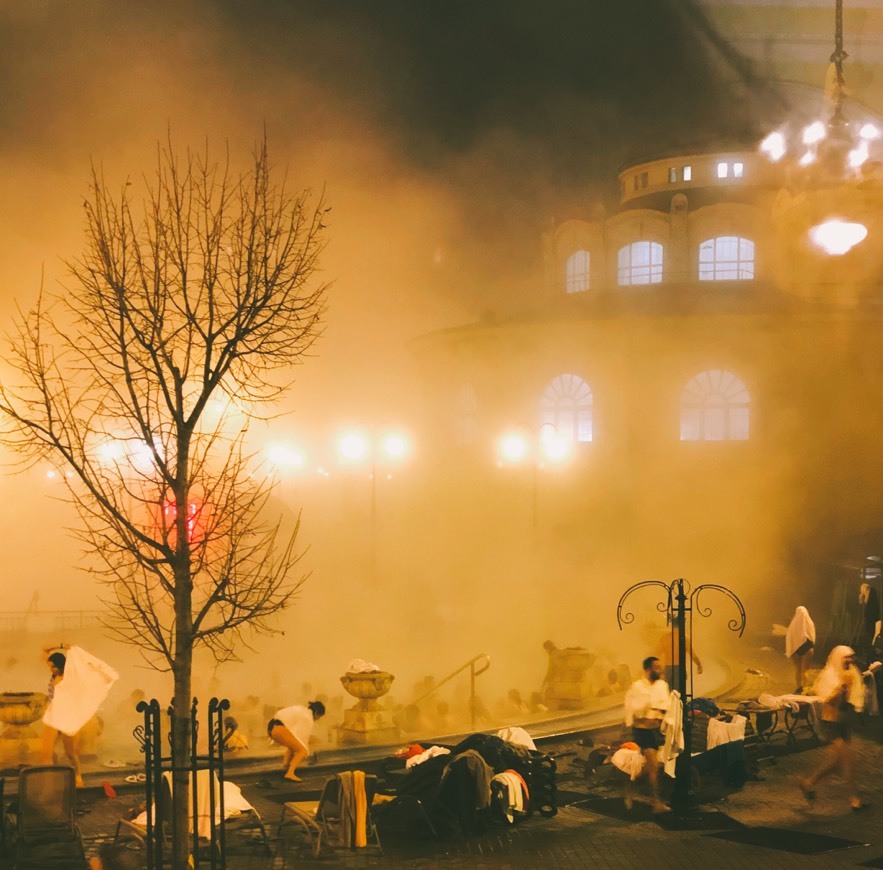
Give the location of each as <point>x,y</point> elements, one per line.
<point>801,630</point>
<point>834,675</point>
<point>80,693</point>
<point>299,721</point>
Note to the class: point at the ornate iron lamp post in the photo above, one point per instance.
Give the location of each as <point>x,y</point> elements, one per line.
<point>679,605</point>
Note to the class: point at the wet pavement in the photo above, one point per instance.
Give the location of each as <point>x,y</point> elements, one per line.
<point>591,828</point>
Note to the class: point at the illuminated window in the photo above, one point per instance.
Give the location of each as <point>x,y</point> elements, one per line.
<point>723,170</point>
<point>726,258</point>
<point>577,272</point>
<point>688,173</point>
<point>738,170</point>
<point>640,263</point>
<point>566,404</point>
<point>714,407</point>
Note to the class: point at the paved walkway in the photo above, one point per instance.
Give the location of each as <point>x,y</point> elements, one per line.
<point>579,837</point>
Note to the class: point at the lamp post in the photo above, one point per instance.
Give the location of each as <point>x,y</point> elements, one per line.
<point>678,605</point>
<point>357,447</point>
<point>548,448</point>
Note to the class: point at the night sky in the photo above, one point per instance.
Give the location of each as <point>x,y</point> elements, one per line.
<point>446,135</point>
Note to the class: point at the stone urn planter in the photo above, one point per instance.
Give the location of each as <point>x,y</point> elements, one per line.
<point>19,741</point>
<point>367,721</point>
<point>367,687</point>
<point>568,687</point>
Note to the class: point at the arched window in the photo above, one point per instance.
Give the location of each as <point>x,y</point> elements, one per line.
<point>566,404</point>
<point>726,258</point>
<point>577,272</point>
<point>714,407</point>
<point>640,263</point>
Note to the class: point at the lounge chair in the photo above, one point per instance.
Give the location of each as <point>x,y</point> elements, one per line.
<point>322,819</point>
<point>41,821</point>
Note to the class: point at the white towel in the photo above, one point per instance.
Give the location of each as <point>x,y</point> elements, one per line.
<point>518,736</point>
<point>80,693</point>
<point>425,756</point>
<point>673,728</point>
<point>800,630</point>
<point>720,732</point>
<point>234,804</point>
<point>631,761</point>
<point>515,795</point>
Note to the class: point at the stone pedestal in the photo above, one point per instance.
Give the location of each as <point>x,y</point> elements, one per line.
<point>20,743</point>
<point>367,721</point>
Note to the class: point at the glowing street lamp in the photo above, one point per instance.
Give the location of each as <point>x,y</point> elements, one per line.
<point>549,448</point>
<point>356,447</point>
<point>512,448</point>
<point>286,457</point>
<point>353,447</point>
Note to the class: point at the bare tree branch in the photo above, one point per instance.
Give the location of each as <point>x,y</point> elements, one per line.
<point>199,297</point>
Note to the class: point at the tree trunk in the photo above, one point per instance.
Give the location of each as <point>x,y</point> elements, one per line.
<point>182,669</point>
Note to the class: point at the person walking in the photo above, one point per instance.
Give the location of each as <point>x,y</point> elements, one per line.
<point>78,685</point>
<point>646,703</point>
<point>842,692</point>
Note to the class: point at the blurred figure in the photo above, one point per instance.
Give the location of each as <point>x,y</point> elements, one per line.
<point>666,650</point>
<point>411,720</point>
<point>249,713</point>
<point>78,685</point>
<point>443,719</point>
<point>514,706</point>
<point>646,703</point>
<point>546,685</point>
<point>870,603</point>
<point>57,661</point>
<point>800,638</point>
<point>613,686</point>
<point>842,691</point>
<point>234,739</point>
<point>478,712</point>
<point>535,703</point>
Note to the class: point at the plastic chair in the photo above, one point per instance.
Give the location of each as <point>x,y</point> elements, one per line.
<point>42,819</point>
<point>322,818</point>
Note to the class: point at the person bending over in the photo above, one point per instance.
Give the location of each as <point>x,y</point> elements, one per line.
<point>291,727</point>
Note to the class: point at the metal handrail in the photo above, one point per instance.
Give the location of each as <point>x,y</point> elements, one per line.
<point>473,673</point>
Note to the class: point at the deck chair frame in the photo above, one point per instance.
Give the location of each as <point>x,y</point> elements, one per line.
<point>321,819</point>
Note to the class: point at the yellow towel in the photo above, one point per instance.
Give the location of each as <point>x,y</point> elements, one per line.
<point>361,832</point>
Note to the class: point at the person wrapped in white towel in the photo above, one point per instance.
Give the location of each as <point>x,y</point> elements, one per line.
<point>78,685</point>
<point>800,638</point>
<point>842,691</point>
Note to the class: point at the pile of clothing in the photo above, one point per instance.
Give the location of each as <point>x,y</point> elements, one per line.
<point>483,776</point>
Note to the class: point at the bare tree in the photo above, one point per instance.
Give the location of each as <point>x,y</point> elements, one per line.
<point>179,325</point>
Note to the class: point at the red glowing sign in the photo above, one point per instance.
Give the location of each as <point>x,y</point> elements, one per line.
<point>170,516</point>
